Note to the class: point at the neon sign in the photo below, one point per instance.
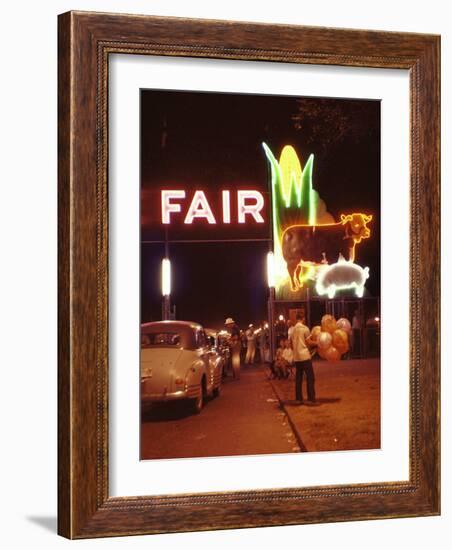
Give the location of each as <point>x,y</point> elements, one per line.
<point>340,276</point>
<point>306,237</point>
<point>250,203</point>
<point>310,246</point>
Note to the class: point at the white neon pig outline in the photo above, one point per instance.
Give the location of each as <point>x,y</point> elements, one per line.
<point>331,287</point>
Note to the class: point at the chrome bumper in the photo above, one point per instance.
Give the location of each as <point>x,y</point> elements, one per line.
<point>147,394</point>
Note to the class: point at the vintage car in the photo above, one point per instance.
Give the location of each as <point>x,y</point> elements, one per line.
<point>178,362</point>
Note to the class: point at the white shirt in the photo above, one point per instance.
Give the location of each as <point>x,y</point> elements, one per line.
<point>300,349</point>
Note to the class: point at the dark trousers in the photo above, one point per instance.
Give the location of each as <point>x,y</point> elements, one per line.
<point>304,367</point>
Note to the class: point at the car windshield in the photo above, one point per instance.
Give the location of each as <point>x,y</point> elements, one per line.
<point>166,339</point>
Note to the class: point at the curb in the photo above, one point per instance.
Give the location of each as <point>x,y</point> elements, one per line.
<point>289,418</point>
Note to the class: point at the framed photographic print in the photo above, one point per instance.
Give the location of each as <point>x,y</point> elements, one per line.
<point>248,275</point>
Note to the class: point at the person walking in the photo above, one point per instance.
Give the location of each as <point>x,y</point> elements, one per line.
<point>300,338</point>
<point>234,345</point>
<point>263,344</point>
<point>250,345</point>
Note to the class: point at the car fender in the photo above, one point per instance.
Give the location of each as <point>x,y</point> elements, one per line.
<point>195,372</point>
<point>217,371</point>
<point>221,367</point>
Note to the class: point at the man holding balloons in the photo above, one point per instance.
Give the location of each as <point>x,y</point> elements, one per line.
<point>301,339</point>
<point>331,340</point>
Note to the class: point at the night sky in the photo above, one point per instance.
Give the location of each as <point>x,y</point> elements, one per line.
<point>212,141</point>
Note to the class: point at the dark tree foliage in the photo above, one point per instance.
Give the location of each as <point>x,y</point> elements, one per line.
<point>326,124</point>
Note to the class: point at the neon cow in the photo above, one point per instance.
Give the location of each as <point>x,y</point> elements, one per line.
<point>306,234</point>
<point>308,245</point>
<point>339,276</point>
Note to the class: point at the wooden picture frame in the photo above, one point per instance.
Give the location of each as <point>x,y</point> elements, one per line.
<point>86,40</point>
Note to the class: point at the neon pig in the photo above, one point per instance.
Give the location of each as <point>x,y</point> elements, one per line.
<point>249,206</point>
<point>339,276</point>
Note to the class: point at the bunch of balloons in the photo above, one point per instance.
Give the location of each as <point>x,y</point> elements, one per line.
<point>332,337</point>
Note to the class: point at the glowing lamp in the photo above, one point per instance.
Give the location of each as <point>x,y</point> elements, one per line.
<point>271,270</point>
<point>281,317</point>
<point>166,277</point>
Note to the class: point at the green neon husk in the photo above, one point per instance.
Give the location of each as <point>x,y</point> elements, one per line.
<point>301,199</point>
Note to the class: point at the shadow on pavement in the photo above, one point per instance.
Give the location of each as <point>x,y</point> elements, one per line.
<point>318,402</point>
<point>164,412</point>
<point>324,400</point>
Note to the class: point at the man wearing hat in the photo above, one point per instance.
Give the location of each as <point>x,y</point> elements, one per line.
<point>231,327</point>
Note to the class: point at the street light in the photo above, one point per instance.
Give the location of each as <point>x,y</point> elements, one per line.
<point>166,288</point>
<point>271,270</point>
<point>166,277</point>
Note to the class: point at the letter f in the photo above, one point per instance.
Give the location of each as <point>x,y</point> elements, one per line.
<point>167,207</point>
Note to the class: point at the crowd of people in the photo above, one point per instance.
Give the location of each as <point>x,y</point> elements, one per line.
<point>293,351</point>
<point>253,344</point>
<point>294,348</point>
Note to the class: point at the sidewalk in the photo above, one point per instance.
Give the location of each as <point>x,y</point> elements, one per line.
<point>346,415</point>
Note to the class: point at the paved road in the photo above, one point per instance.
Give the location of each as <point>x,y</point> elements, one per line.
<point>245,419</point>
